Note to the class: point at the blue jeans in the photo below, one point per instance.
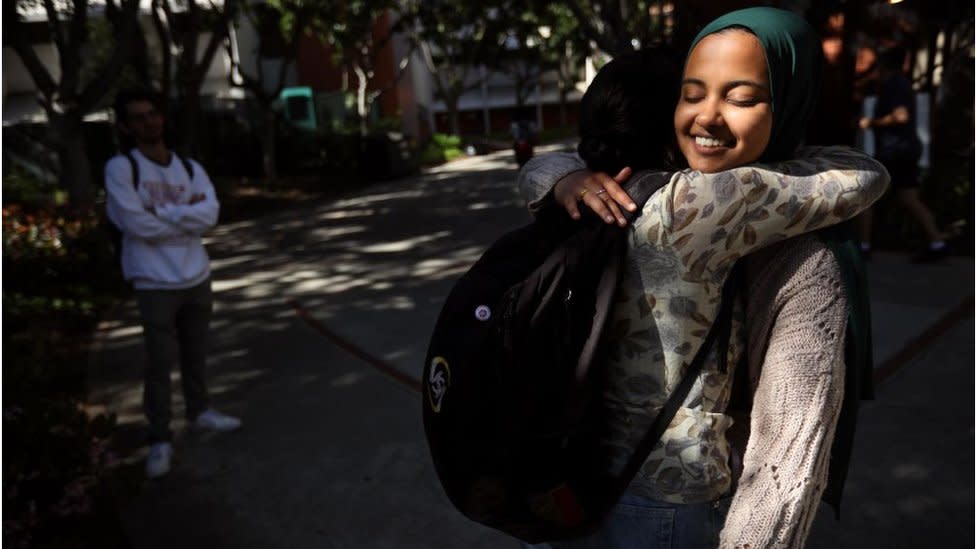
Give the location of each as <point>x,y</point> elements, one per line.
<point>639,522</point>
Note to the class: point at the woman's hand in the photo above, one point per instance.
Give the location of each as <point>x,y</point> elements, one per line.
<point>600,192</point>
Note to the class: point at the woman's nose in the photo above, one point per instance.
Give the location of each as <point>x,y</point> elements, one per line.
<point>709,116</point>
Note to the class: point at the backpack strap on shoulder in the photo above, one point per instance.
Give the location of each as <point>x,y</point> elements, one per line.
<point>187,165</point>
<point>135,169</point>
<point>641,186</point>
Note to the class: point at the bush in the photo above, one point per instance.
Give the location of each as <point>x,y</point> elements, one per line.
<point>21,187</point>
<point>56,463</point>
<point>60,275</point>
<point>442,148</point>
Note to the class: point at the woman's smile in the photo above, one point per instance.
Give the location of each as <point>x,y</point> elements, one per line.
<point>712,145</point>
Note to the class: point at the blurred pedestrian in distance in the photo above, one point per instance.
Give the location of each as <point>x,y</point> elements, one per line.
<point>523,131</point>
<point>162,204</point>
<point>835,117</point>
<point>898,147</point>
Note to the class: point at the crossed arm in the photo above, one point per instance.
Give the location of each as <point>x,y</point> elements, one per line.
<point>126,209</point>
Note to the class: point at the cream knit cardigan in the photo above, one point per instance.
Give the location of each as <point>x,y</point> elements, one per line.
<point>796,313</point>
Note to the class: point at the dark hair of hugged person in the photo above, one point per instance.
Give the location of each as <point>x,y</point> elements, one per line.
<point>626,113</point>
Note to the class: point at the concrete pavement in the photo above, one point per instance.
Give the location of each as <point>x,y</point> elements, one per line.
<point>332,453</point>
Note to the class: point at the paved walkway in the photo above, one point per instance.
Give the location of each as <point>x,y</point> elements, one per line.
<point>312,304</point>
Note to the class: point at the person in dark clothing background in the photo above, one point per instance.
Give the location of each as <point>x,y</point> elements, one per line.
<point>898,147</point>
<point>835,117</point>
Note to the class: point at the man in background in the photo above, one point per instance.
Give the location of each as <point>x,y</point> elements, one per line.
<point>162,204</point>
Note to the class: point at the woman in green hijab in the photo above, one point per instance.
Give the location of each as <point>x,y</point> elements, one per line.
<point>745,98</point>
<point>809,340</point>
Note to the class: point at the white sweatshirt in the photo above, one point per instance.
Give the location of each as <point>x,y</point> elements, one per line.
<point>161,250</point>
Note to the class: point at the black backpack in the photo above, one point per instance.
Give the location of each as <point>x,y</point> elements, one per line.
<point>512,378</point>
<point>114,232</point>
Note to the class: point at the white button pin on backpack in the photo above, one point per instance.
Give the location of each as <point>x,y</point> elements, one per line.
<point>482,313</point>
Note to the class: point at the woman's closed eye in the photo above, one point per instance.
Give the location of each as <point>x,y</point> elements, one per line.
<point>692,92</point>
<point>744,101</point>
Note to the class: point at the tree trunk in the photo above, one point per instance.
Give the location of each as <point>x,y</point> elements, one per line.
<point>75,174</point>
<point>269,154</point>
<point>452,113</point>
<point>189,114</point>
<point>361,100</point>
<point>563,109</point>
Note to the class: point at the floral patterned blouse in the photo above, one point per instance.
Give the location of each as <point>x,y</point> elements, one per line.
<point>681,248</point>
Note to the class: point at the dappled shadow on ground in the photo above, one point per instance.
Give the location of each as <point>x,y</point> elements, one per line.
<point>322,429</point>
<point>366,264</point>
<point>376,264</point>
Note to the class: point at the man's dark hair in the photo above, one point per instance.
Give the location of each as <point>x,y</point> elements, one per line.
<point>627,113</point>
<point>131,95</point>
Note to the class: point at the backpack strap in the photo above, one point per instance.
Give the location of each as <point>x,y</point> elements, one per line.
<point>135,169</point>
<point>187,165</point>
<point>670,408</point>
<point>641,186</point>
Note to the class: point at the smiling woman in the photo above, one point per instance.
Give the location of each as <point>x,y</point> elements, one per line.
<point>724,116</point>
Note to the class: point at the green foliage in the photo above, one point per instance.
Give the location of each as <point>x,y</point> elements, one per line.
<point>442,148</point>
<point>59,276</point>
<point>563,45</point>
<point>100,48</point>
<point>445,141</point>
<point>454,36</point>
<point>21,187</point>
<point>616,27</point>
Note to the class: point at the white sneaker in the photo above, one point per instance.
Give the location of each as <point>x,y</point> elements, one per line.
<point>157,464</point>
<point>212,420</point>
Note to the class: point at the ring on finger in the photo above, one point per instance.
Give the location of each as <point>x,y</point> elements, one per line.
<point>601,192</point>
<point>582,194</point>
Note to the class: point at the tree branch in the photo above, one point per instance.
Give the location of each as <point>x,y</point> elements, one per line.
<point>216,38</point>
<point>71,57</point>
<point>22,46</point>
<point>54,23</point>
<point>400,71</point>
<point>165,46</point>
<point>104,79</point>
<point>585,21</point>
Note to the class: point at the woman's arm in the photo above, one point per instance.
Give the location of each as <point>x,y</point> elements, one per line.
<point>711,220</point>
<point>797,400</point>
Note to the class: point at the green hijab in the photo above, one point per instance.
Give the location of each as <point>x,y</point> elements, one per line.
<point>793,59</point>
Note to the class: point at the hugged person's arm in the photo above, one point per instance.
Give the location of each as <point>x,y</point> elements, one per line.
<point>563,178</point>
<point>541,173</point>
<point>714,219</point>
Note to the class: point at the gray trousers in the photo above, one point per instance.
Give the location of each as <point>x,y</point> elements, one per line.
<point>175,324</point>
